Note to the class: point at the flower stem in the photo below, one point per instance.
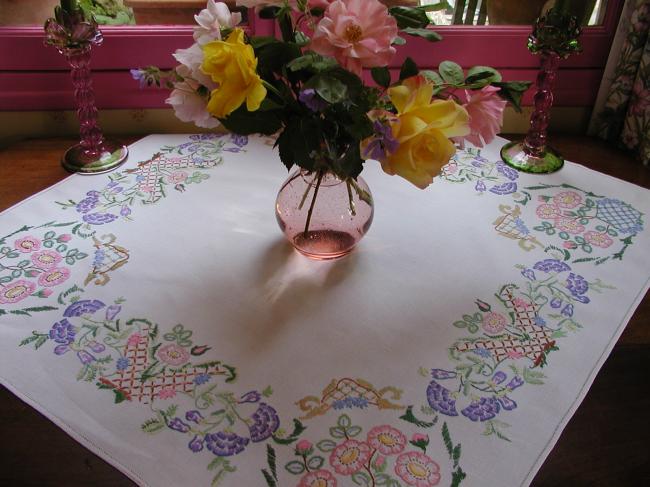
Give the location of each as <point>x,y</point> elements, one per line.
<point>313,202</point>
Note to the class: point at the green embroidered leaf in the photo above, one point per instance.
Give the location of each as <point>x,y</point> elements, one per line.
<point>298,429</point>
<point>336,432</point>
<point>270,481</point>
<point>271,460</point>
<point>455,454</point>
<point>152,426</point>
<point>267,392</point>
<point>409,417</point>
<point>354,431</point>
<point>361,478</point>
<point>295,467</point>
<point>326,445</point>
<point>457,476</point>
<point>315,462</point>
<point>344,421</point>
<point>446,438</point>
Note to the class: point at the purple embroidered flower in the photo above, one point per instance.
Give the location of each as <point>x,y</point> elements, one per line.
<point>556,303</point>
<point>442,374</point>
<point>225,444</point>
<point>99,218</point>
<point>480,186</point>
<point>204,137</point>
<point>567,310</point>
<point>85,357</point>
<point>539,321</point>
<point>350,403</point>
<point>122,363</point>
<point>528,274</point>
<point>125,211</point>
<point>194,416</point>
<point>265,422</point>
<point>507,403</point>
<point>93,194</point>
<point>61,349</point>
<point>578,286</point>
<point>515,382</point>
<point>178,425</point>
<point>311,100</point>
<point>62,332</point>
<point>96,346</point>
<point>440,399</point>
<point>479,161</point>
<point>82,307</point>
<point>202,379</point>
<point>482,352</point>
<point>505,188</point>
<point>252,397</point>
<point>482,410</point>
<point>86,204</point>
<point>499,377</point>
<point>548,265</point>
<point>507,171</point>
<point>112,311</point>
<point>196,445</point>
<point>239,140</point>
<point>382,143</point>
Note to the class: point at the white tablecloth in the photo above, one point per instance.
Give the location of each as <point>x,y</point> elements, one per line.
<point>158,316</point>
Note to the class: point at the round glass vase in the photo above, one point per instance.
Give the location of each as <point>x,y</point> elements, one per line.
<point>323,216</point>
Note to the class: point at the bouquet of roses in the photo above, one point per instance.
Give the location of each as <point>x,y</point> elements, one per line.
<point>308,90</point>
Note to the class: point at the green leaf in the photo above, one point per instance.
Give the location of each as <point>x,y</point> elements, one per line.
<point>152,426</point>
<point>428,34</point>
<point>512,91</point>
<point>270,481</point>
<point>381,76</point>
<point>354,431</point>
<point>295,467</point>
<point>315,462</point>
<point>409,17</point>
<point>408,69</point>
<point>344,421</point>
<point>432,76</point>
<point>398,41</point>
<point>243,122</point>
<point>269,12</point>
<point>271,460</point>
<point>298,429</point>
<point>329,88</point>
<point>480,76</point>
<point>447,439</point>
<point>261,41</point>
<point>326,445</point>
<point>452,73</point>
<point>119,396</point>
<point>337,432</point>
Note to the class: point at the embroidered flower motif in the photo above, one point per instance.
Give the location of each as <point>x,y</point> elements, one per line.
<point>507,171</point>
<point>318,478</point>
<point>482,410</point>
<point>202,379</point>
<point>548,265</point>
<point>96,346</point>
<point>82,307</point>
<point>194,416</point>
<point>569,244</point>
<point>178,425</point>
<point>515,382</point>
<point>569,225</point>
<point>54,277</point>
<point>598,239</point>
<point>27,244</point>
<point>480,186</point>
<point>505,188</point>
<point>173,354</point>
<point>507,403</point>
<point>85,357</point>
<point>442,374</point>
<point>66,237</point>
<point>567,199</point>
<point>548,212</point>
<point>499,377</point>
<point>493,323</point>
<point>122,363</point>
<point>87,204</point>
<point>112,311</point>
<point>350,402</point>
<point>251,396</point>
<point>520,303</point>
<point>99,218</point>
<point>167,392</point>
<point>46,259</point>
<point>16,291</point>
<point>134,340</point>
<point>303,447</point>
<point>577,284</point>
<point>417,469</point>
<point>177,177</point>
<point>482,352</point>
<point>556,303</point>
<point>225,444</point>
<point>387,440</point>
<point>265,422</point>
<point>349,457</point>
<point>528,274</point>
<point>567,311</point>
<point>514,354</point>
<point>196,444</point>
<point>441,399</point>
<point>62,332</point>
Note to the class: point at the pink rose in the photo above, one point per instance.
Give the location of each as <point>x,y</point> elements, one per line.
<point>134,340</point>
<point>358,33</point>
<point>167,392</point>
<point>485,110</point>
<point>303,446</point>
<point>419,437</point>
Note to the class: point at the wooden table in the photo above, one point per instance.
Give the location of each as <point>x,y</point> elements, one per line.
<point>605,443</point>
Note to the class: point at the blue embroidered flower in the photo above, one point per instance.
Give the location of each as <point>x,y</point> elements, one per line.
<point>482,352</point>
<point>505,188</point>
<point>251,396</point>
<point>440,399</point>
<point>350,402</point>
<point>442,374</point>
<point>521,226</point>
<point>125,211</point>
<point>578,286</point>
<point>482,410</point>
<point>507,171</point>
<point>539,321</point>
<point>567,310</point>
<point>86,205</point>
<point>194,416</point>
<point>480,186</point>
<point>99,218</point>
<point>528,274</point>
<point>98,258</point>
<point>93,194</point>
<point>225,444</point>
<point>556,303</point>
<point>196,444</point>
<point>178,425</point>
<point>62,332</point>
<point>265,422</point>
<point>499,377</point>
<point>85,357</point>
<point>548,265</point>
<point>82,307</point>
<point>515,382</point>
<point>507,403</point>
<point>202,379</point>
<point>122,363</point>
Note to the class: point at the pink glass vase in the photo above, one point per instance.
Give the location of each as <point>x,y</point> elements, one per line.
<point>322,216</point>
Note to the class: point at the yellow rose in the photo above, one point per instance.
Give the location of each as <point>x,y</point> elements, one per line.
<point>232,65</point>
<point>422,128</point>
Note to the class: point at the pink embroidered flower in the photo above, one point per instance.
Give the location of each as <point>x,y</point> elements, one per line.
<point>358,33</point>
<point>46,259</point>
<point>350,457</point>
<point>450,168</point>
<point>177,177</point>
<point>134,340</point>
<point>387,440</point>
<point>419,437</point>
<point>46,292</point>
<point>167,392</point>
<point>567,199</point>
<point>173,354</point>
<point>318,478</point>
<point>493,323</point>
<point>548,212</point>
<point>53,277</point>
<point>16,291</point>
<point>66,237</point>
<point>570,245</point>
<point>520,303</point>
<point>148,188</point>
<point>569,225</point>
<point>27,244</point>
<point>417,469</point>
<point>303,446</point>
<point>379,461</point>
<point>514,354</point>
<point>598,239</point>
<point>485,110</point>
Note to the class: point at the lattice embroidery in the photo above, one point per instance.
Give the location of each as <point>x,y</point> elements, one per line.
<point>512,226</point>
<point>349,393</point>
<point>151,172</point>
<point>129,381</point>
<point>108,257</point>
<point>534,347</point>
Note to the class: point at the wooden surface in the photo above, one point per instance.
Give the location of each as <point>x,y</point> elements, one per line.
<point>604,444</point>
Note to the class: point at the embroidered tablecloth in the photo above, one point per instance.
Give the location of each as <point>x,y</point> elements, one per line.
<point>157,315</point>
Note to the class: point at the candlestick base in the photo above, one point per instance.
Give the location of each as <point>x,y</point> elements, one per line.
<point>514,154</point>
<point>82,161</point>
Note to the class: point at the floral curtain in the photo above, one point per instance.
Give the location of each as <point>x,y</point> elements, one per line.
<point>622,111</point>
